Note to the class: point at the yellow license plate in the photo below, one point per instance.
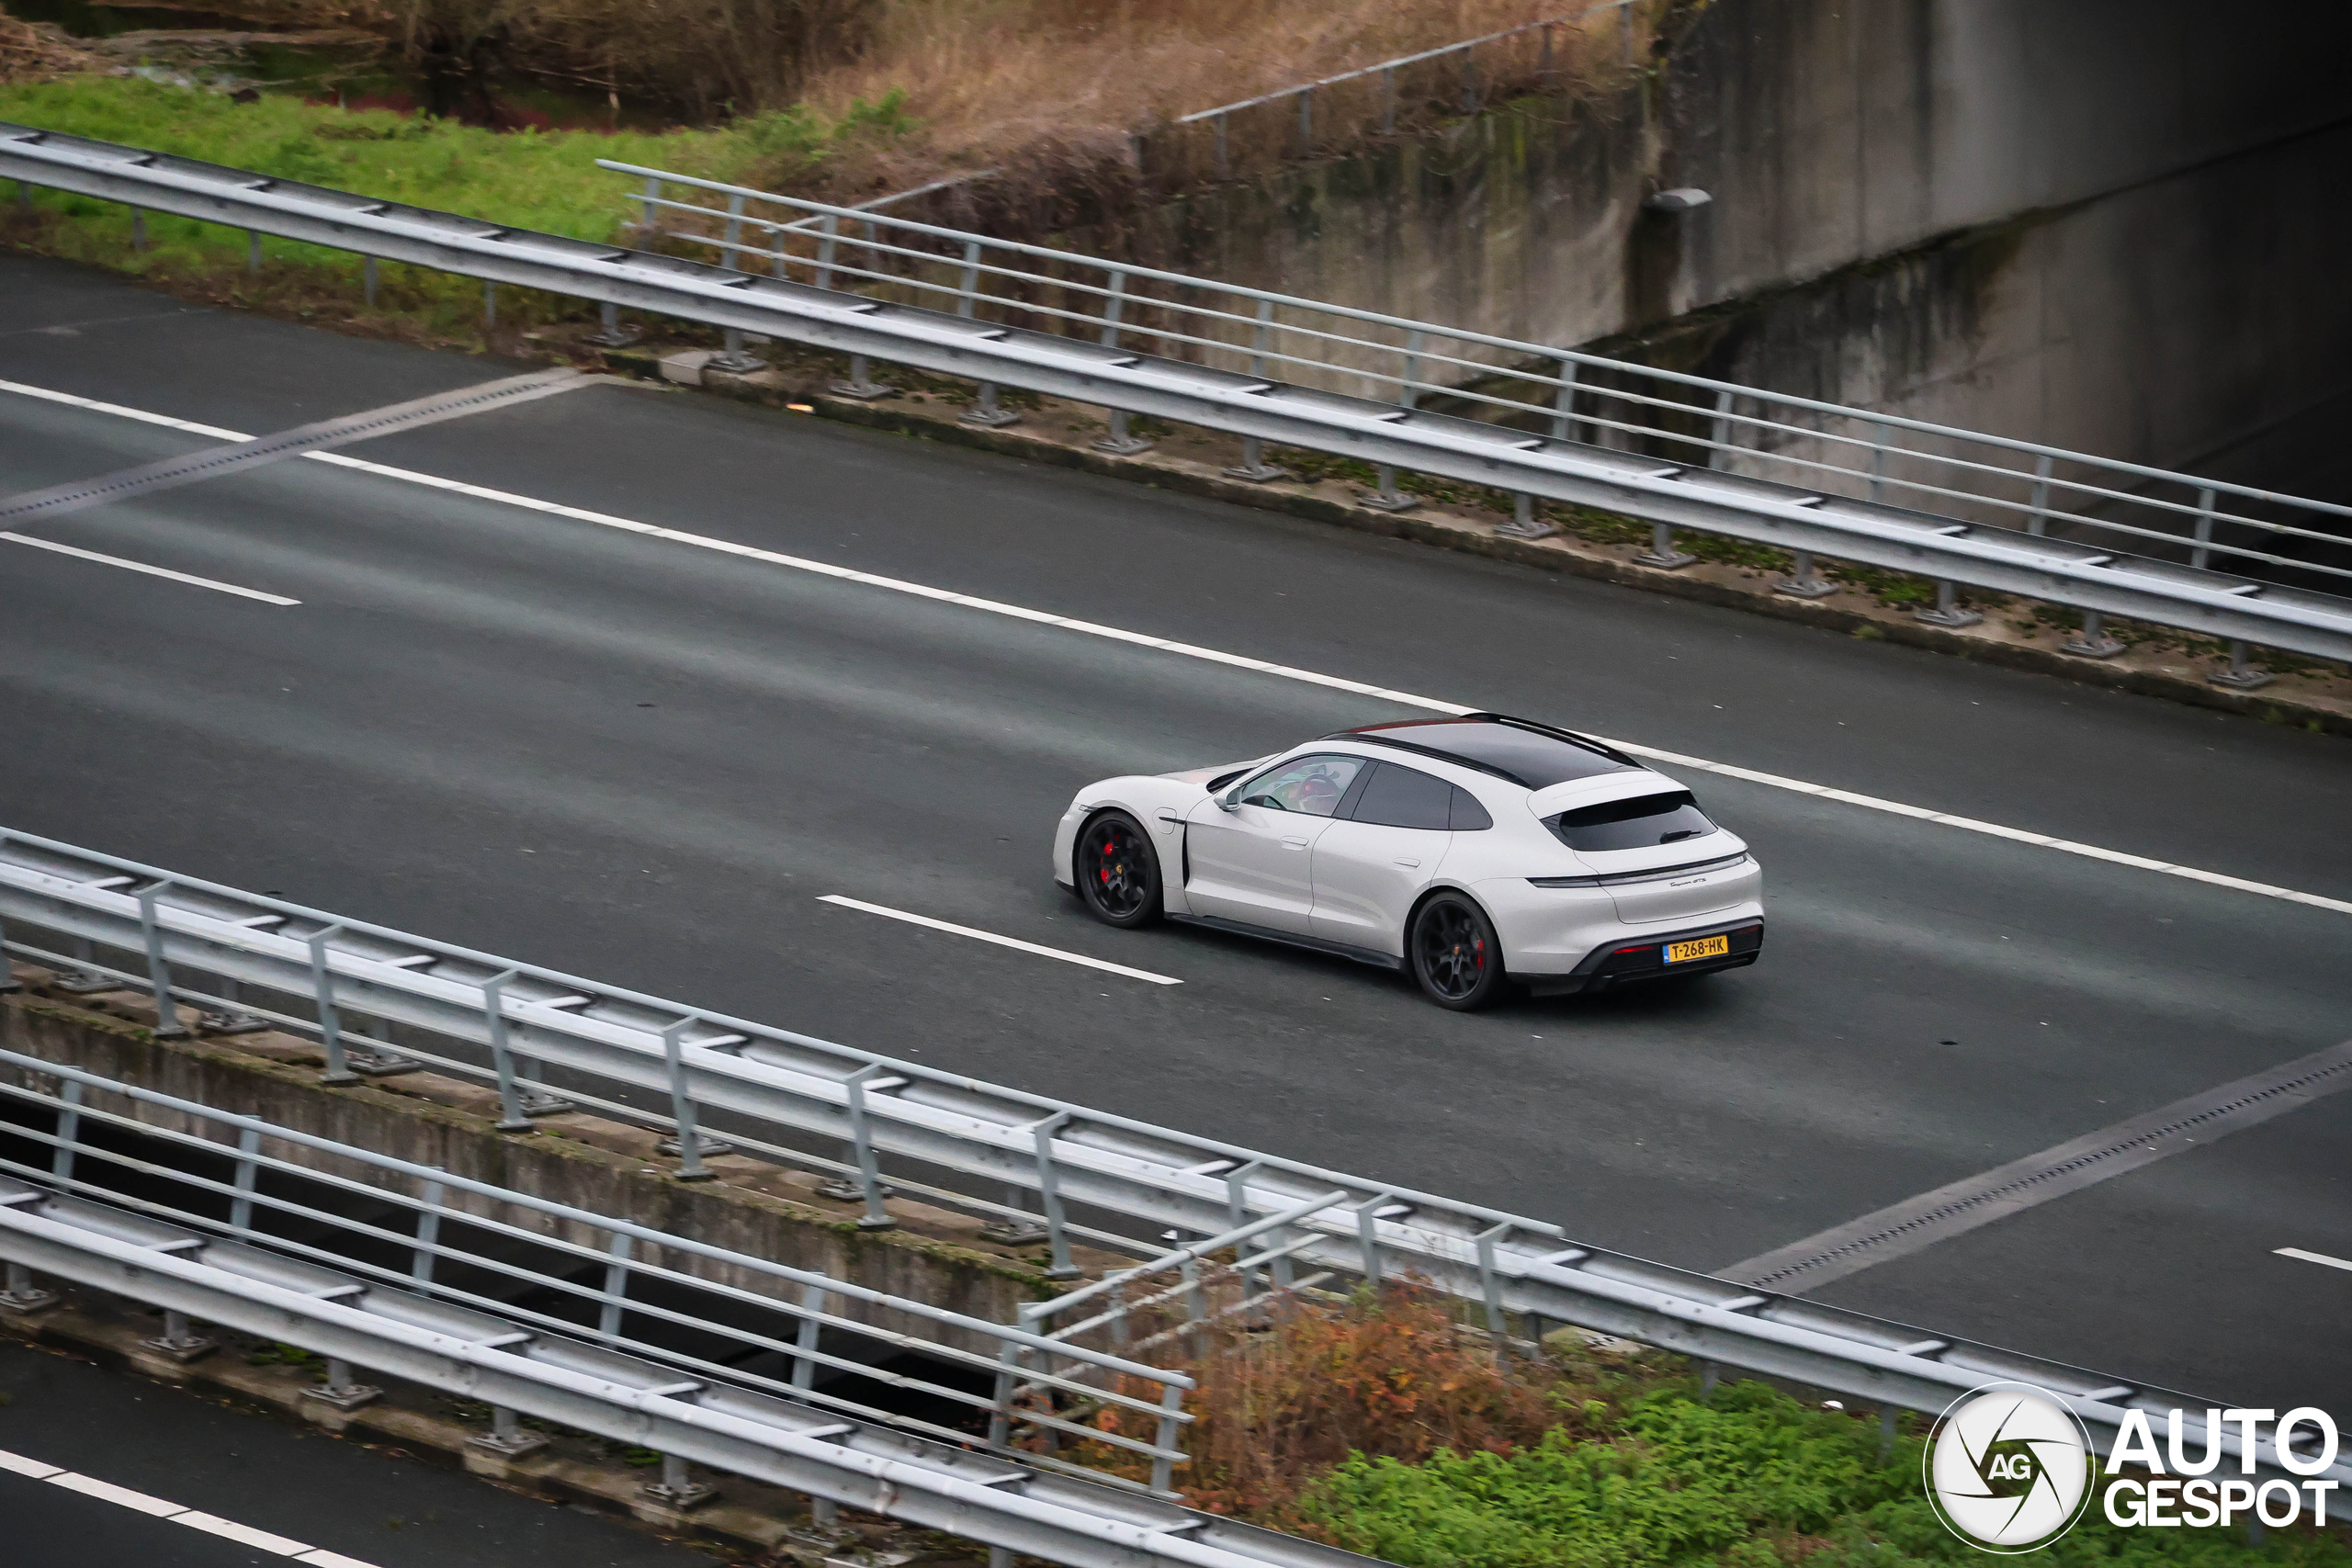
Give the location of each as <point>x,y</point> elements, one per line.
<point>1700,947</point>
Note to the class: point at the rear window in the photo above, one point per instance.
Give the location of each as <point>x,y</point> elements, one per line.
<point>1640,823</point>
<point>1404,797</point>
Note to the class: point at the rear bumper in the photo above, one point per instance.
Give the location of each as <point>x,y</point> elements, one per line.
<point>1620,963</point>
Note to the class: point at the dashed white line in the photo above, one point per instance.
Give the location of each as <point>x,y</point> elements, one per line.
<point>1191,650</point>
<point>1011,942</point>
<point>176,1513</point>
<point>192,581</point>
<point>2296,1252</point>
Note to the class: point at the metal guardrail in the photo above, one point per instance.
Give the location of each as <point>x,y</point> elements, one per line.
<point>390,1293</point>
<point>1302,96</point>
<point>1546,425</point>
<point>961,1141</point>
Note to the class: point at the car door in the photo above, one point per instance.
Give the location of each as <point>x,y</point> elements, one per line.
<point>1368,869</point>
<point>1247,851</point>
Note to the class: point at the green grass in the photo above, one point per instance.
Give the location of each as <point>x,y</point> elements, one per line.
<point>1751,1480</point>
<point>546,180</point>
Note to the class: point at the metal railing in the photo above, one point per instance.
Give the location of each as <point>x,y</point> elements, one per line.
<point>1542,423</point>
<point>958,1142</point>
<point>1298,103</point>
<point>493,1294</point>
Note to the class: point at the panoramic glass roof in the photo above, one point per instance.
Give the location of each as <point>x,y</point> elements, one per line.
<point>1534,755</point>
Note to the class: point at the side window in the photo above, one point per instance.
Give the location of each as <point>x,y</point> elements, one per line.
<point>1468,815</point>
<point>1400,797</point>
<point>1311,785</point>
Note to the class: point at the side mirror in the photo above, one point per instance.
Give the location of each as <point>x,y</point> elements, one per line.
<point>1230,800</point>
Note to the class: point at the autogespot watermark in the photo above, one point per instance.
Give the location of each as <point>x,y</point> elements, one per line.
<point>2010,1468</point>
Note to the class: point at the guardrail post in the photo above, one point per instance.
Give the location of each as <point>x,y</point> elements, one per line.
<point>507,1438</point>
<point>1163,1463</point>
<point>69,1128</point>
<point>424,1249</point>
<point>1049,1198</point>
<point>1719,432</point>
<point>615,1299</point>
<point>23,196</point>
<point>864,387</point>
<point>338,1071</point>
<point>1886,1417</point>
<point>512,1116</point>
<point>339,1391</point>
<point>677,1487</point>
<point>1523,524</point>
<point>241,1207</point>
<point>2241,676</point>
<point>1306,120</point>
<point>1625,33</point>
<point>367,280</point>
<point>2040,517</point>
<point>2202,553</point>
<point>1196,1311</point>
<point>179,1341</point>
<point>985,414</point>
<point>1388,100</point>
<point>1490,1285</point>
<point>1545,69</point>
<point>1469,80</point>
<point>1662,553</point>
<point>649,226</point>
<point>1563,403</point>
<point>139,229</point>
<point>253,251</point>
<point>489,303</point>
<point>229,1018</point>
<point>1948,612</point>
<point>869,1171</point>
<point>1224,164</point>
<point>1878,463</point>
<point>1119,444</point>
<point>804,1342</point>
<point>1254,466</point>
<point>159,973</point>
<point>1387,497</point>
<point>2094,642</point>
<point>1708,1372</point>
<point>1804,581</point>
<point>682,1106</point>
<point>827,233</point>
<point>20,1296</point>
<point>613,335</point>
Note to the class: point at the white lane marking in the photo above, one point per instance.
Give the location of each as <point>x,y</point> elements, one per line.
<point>176,1513</point>
<point>1189,650</point>
<point>2314,1258</point>
<point>1001,940</point>
<point>149,571</point>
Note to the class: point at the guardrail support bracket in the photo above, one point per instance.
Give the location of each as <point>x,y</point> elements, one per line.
<point>1805,581</point>
<point>2094,642</point>
<point>987,415</point>
<point>179,1341</point>
<point>2241,676</point>
<point>677,1489</point>
<point>339,1393</point>
<point>1948,612</point>
<point>1662,554</point>
<point>21,1296</point>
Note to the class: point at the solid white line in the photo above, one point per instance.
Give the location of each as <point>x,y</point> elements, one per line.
<point>176,1513</point>
<point>149,571</point>
<point>1189,650</point>
<point>2314,1258</point>
<point>1000,941</point>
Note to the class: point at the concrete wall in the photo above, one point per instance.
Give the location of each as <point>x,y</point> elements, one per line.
<point>2112,224</point>
<point>272,1077</point>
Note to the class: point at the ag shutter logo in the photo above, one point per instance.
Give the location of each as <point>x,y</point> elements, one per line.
<point>2009,1468</point>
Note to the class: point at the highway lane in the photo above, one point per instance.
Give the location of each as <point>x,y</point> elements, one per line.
<point>290,1482</point>
<point>633,758</point>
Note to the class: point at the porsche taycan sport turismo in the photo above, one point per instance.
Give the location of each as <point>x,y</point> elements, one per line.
<point>1473,853</point>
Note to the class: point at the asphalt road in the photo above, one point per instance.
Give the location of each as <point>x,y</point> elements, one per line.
<point>292,1482</point>
<point>630,758</point>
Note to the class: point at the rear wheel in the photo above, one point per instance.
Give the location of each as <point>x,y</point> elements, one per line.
<point>1454,953</point>
<point>1118,875</point>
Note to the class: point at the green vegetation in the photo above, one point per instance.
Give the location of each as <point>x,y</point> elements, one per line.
<point>546,180</point>
<point>1751,1480</point>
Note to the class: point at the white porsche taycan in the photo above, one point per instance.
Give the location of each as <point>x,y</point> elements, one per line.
<point>1472,852</point>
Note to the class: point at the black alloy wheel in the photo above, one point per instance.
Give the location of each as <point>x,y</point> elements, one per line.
<point>1454,953</point>
<point>1118,875</point>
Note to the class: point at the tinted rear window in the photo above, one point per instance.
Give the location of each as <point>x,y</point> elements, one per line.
<point>1641,823</point>
<point>1468,815</point>
<point>1534,759</point>
<point>1403,797</point>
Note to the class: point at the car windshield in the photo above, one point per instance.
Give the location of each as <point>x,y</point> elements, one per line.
<point>1640,823</point>
<point>1311,785</point>
<point>1529,757</point>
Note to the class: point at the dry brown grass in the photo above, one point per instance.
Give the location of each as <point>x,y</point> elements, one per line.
<point>989,80</point>
<point>36,52</point>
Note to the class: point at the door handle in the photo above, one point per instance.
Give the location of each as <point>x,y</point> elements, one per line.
<point>1409,864</point>
<point>1293,844</point>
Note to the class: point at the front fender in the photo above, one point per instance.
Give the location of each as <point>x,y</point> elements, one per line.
<point>1159,804</point>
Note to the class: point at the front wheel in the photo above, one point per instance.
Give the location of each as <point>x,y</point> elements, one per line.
<point>1454,953</point>
<point>1118,875</point>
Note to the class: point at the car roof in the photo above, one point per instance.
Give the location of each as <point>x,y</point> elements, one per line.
<point>1532,756</point>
